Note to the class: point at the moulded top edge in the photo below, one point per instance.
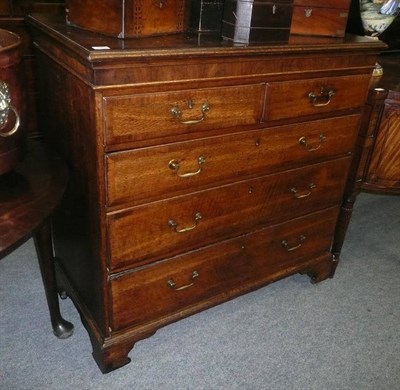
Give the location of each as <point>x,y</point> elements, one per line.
<point>95,47</point>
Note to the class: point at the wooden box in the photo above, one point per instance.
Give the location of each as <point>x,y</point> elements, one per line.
<point>206,15</point>
<point>128,18</point>
<point>256,21</point>
<point>316,17</point>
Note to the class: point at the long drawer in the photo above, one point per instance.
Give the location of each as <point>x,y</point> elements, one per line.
<point>170,286</point>
<point>147,174</point>
<point>166,228</point>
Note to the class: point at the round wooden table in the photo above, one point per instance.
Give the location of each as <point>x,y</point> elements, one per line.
<point>28,196</point>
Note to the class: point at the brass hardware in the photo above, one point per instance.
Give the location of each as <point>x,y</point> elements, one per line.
<point>176,112</point>
<point>174,165</point>
<point>5,101</point>
<point>285,244</point>
<point>174,225</point>
<point>303,142</point>
<point>160,3</point>
<point>325,96</point>
<point>378,71</point>
<point>308,12</point>
<point>303,195</point>
<point>172,284</point>
<point>5,107</point>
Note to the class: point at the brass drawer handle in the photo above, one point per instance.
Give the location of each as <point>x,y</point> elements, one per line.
<point>171,284</point>
<point>303,142</point>
<point>324,97</point>
<point>174,165</point>
<point>5,107</point>
<point>176,112</point>
<point>175,226</point>
<point>160,3</point>
<point>299,195</point>
<point>285,244</point>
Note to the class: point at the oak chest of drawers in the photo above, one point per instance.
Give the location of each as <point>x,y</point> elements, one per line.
<point>200,171</point>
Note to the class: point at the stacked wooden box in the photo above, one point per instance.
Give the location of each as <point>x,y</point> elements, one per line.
<point>316,17</point>
<point>128,18</point>
<point>247,21</point>
<point>242,21</point>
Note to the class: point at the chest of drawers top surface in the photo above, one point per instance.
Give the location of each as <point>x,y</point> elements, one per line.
<point>105,61</point>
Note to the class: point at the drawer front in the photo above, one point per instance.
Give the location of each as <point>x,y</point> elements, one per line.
<point>292,99</point>
<point>159,115</point>
<point>166,228</point>
<point>148,174</point>
<point>168,287</point>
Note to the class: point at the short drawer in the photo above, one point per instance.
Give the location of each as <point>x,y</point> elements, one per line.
<point>165,228</point>
<point>292,99</point>
<point>159,115</point>
<point>164,289</point>
<point>147,174</point>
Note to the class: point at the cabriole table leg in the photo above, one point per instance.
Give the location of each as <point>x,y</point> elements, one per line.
<point>44,248</point>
